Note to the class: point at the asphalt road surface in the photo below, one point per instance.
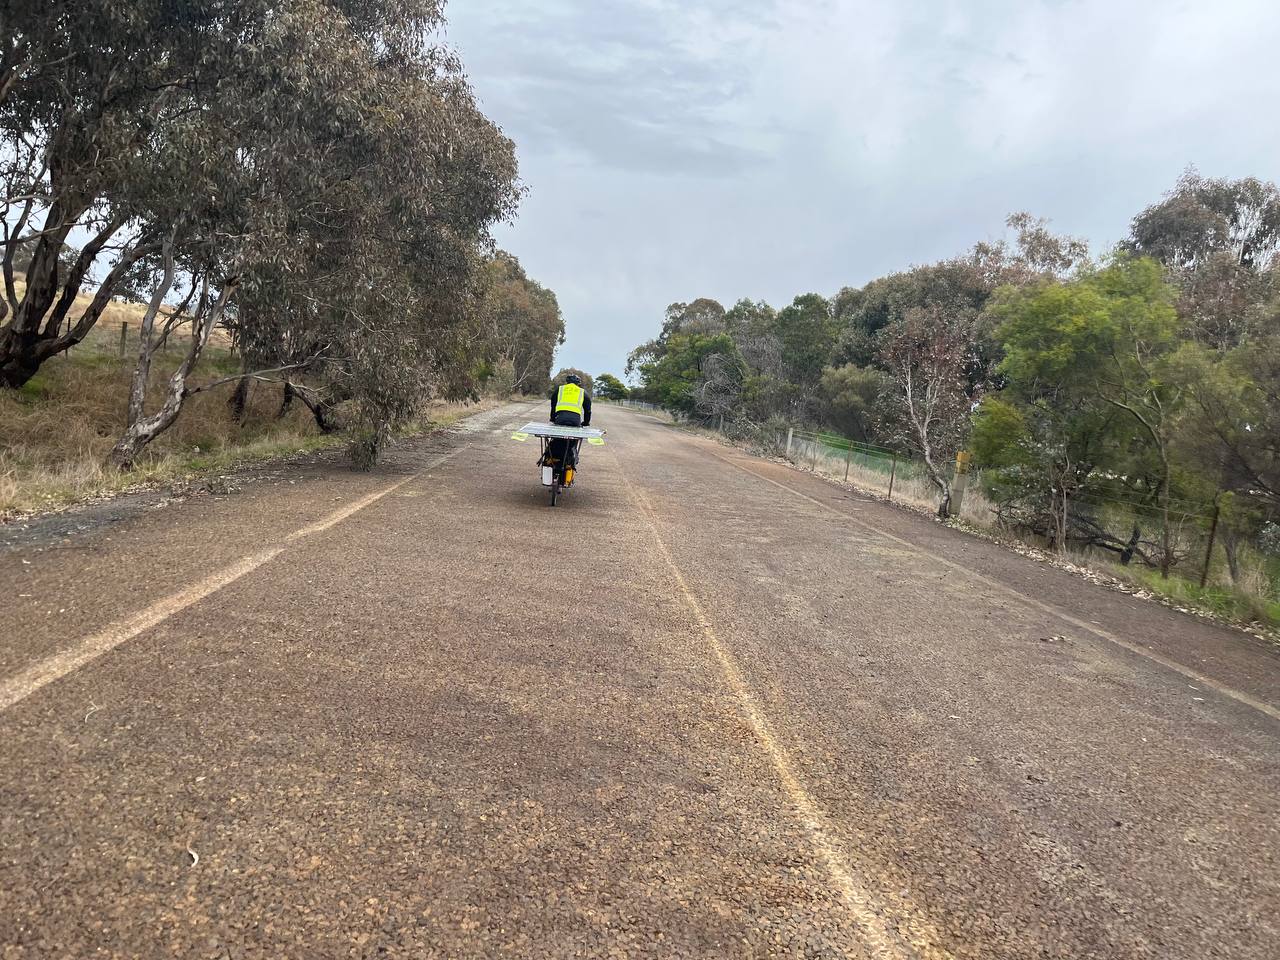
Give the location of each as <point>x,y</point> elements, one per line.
<point>707,707</point>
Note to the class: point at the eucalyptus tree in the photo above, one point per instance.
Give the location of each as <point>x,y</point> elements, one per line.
<point>523,323</point>
<point>928,353</point>
<point>1218,239</point>
<point>329,201</point>
<point>82,87</point>
<point>1104,341</point>
<point>313,173</point>
<point>609,387</point>
<point>1231,424</point>
<point>850,399</point>
<point>374,281</point>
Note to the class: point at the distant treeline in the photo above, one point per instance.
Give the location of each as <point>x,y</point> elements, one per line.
<point>313,177</point>
<point>1150,372</point>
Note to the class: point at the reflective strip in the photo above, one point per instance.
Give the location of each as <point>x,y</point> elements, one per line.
<point>596,441</point>
<point>522,437</point>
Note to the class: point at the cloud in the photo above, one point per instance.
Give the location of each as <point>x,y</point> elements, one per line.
<point>638,87</point>
<point>767,148</point>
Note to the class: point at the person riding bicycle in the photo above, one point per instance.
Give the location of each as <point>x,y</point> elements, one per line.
<point>570,407</point>
<point>571,404</point>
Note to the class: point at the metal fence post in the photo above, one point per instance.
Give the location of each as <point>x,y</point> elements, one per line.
<point>814,467</point>
<point>893,472</point>
<point>848,455</point>
<point>790,433</point>
<point>124,335</point>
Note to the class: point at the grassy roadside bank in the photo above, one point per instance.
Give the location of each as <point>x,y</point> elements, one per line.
<point>56,432</point>
<point>1219,601</point>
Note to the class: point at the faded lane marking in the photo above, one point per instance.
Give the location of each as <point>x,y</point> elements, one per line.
<point>38,675</point>
<point>335,518</point>
<point>1048,608</point>
<point>883,943</point>
<point>59,665</point>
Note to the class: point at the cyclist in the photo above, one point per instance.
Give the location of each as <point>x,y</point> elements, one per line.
<point>570,407</point>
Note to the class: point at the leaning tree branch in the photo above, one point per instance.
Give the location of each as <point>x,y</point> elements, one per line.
<point>260,375</point>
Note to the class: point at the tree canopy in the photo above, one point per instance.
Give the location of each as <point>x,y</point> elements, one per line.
<point>1148,376</point>
<point>313,175</point>
<point>609,387</point>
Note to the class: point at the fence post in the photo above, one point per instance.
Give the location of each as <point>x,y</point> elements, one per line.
<point>893,472</point>
<point>1213,533</point>
<point>848,455</point>
<point>814,467</point>
<point>720,429</point>
<point>124,335</point>
<point>790,432</point>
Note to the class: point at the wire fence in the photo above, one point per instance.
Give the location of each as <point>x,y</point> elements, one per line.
<point>1112,525</point>
<point>633,404</point>
<point>871,465</point>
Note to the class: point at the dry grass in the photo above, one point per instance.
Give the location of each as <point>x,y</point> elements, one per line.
<point>1256,578</point>
<point>911,485</point>
<point>56,432</point>
<point>121,313</point>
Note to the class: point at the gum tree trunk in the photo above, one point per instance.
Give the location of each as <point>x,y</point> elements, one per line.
<point>142,429</point>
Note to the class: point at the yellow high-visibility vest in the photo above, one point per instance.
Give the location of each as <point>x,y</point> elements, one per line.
<point>569,397</point>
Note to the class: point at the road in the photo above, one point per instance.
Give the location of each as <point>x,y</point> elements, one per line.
<point>708,707</point>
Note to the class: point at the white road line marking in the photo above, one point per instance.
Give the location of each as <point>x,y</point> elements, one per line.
<point>59,665</point>
<point>41,674</point>
<point>881,941</point>
<point>1054,611</point>
<point>335,518</point>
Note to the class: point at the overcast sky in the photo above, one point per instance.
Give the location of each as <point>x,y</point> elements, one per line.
<point>674,149</point>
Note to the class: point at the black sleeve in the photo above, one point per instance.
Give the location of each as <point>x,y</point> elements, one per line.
<point>586,409</point>
<point>553,403</point>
